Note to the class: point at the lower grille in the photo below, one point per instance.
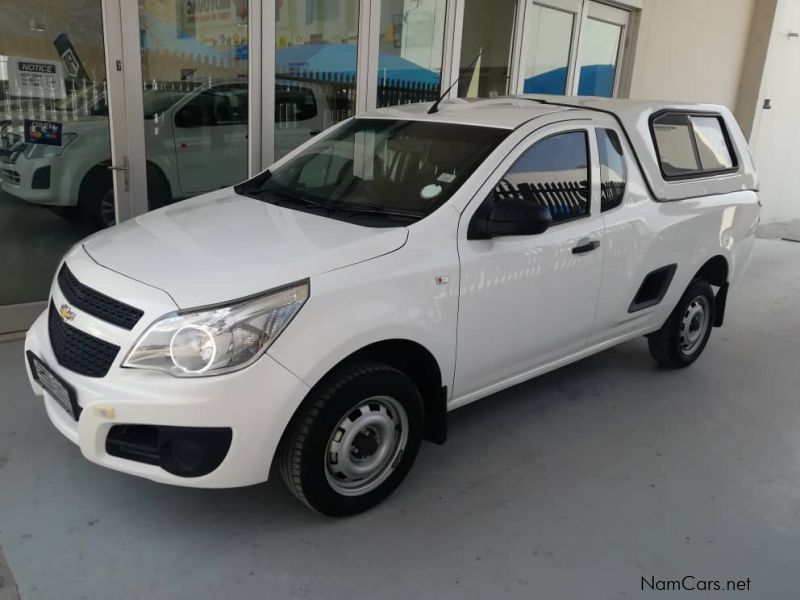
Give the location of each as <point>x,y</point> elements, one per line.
<point>78,351</point>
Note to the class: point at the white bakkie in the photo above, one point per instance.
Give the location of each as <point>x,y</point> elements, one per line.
<point>324,316</point>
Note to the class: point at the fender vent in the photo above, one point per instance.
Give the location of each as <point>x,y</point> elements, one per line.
<point>653,288</point>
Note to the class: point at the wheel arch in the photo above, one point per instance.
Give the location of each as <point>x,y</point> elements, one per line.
<point>415,361</point>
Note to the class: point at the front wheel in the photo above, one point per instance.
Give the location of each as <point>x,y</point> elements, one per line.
<point>684,336</point>
<point>354,440</point>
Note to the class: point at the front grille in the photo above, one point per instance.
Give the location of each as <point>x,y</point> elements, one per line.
<point>97,304</point>
<point>10,176</point>
<point>78,351</point>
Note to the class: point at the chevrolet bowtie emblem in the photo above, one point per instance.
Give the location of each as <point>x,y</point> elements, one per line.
<point>66,313</point>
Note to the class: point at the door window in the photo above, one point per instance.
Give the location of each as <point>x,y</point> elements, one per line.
<point>216,106</point>
<point>554,172</point>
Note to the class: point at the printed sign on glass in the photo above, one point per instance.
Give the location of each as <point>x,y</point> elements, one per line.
<point>43,132</point>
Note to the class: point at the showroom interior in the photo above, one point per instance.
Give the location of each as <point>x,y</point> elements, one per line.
<point>217,90</point>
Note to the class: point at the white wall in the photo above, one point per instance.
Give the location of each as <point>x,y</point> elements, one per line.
<point>775,140</point>
<point>691,50</point>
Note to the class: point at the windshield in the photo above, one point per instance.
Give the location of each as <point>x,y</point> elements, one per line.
<point>392,171</point>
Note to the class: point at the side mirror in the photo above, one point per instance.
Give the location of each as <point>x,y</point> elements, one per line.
<point>511,216</point>
<point>190,115</point>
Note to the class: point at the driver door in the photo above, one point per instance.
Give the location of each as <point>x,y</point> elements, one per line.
<point>527,301</point>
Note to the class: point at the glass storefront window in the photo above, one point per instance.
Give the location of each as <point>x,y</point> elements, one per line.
<point>486,46</point>
<point>410,51</point>
<point>316,48</point>
<point>546,49</point>
<point>194,74</point>
<point>599,51</point>
<point>54,139</point>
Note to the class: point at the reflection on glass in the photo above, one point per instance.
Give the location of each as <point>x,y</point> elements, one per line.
<point>316,46</point>
<point>545,55</point>
<point>599,51</point>
<point>410,51</point>
<point>488,28</point>
<point>194,72</point>
<point>53,139</point>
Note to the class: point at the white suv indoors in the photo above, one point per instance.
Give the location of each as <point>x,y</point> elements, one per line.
<point>324,316</point>
<point>196,142</point>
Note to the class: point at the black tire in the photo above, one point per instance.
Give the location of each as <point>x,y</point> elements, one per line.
<point>674,346</point>
<point>158,190</point>
<point>305,454</point>
<point>96,191</point>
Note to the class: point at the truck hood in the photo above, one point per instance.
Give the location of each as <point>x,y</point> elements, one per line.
<point>222,246</point>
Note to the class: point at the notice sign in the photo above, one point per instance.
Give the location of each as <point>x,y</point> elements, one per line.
<point>35,78</point>
<point>43,132</point>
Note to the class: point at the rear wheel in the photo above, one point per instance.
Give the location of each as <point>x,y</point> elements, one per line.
<point>354,439</point>
<point>684,336</point>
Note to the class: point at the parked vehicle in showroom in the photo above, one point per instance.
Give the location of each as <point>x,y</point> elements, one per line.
<point>325,315</point>
<point>196,142</point>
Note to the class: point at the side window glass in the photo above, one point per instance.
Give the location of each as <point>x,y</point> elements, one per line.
<point>217,106</point>
<point>294,104</point>
<point>711,144</point>
<point>673,135</point>
<point>613,170</point>
<point>691,145</point>
<point>554,173</point>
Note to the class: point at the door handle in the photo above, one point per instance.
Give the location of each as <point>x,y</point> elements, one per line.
<point>314,132</point>
<point>586,245</point>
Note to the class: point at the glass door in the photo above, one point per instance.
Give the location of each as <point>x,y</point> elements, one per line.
<point>194,96</point>
<point>602,46</point>
<point>62,133</point>
<point>547,46</point>
<point>315,63</point>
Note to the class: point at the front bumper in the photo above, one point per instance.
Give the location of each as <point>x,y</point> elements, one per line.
<point>255,403</point>
<point>33,180</point>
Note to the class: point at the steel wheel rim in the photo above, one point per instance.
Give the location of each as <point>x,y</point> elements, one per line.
<point>366,445</point>
<point>694,324</point>
<point>108,213</point>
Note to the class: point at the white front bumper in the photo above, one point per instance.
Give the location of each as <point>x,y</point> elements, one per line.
<point>256,403</point>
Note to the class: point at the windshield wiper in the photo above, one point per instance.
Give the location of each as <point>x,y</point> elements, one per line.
<point>297,199</point>
<point>377,209</point>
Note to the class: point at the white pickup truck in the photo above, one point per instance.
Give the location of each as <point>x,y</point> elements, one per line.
<point>325,315</point>
<point>196,142</point>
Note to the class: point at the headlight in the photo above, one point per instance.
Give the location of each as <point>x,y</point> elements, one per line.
<point>218,339</point>
<point>46,151</point>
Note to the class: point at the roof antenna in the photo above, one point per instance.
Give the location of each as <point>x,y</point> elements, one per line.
<point>435,107</point>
